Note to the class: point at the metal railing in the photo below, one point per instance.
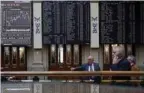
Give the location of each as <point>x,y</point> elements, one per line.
<point>72,73</point>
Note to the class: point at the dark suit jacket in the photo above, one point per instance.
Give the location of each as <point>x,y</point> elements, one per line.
<point>85,67</point>
<point>123,65</point>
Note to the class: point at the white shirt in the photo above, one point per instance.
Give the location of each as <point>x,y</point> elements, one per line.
<point>91,68</point>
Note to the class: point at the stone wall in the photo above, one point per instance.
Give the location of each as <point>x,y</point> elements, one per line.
<point>65,87</point>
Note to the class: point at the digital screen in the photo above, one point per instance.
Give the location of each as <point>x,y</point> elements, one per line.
<point>66,22</point>
<point>16,23</point>
<point>121,22</point>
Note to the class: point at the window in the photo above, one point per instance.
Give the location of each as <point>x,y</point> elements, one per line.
<point>53,54</point>
<point>6,56</point>
<point>64,56</point>
<point>60,54</point>
<point>22,55</point>
<point>106,54</point>
<point>129,50</point>
<point>13,56</point>
<point>68,54</point>
<point>76,55</point>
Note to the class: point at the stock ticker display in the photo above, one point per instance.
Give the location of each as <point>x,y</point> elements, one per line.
<point>66,22</point>
<point>16,23</point>
<point>121,22</point>
<point>69,22</point>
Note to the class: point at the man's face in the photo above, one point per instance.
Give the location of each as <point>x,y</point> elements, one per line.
<point>128,58</point>
<point>90,60</point>
<point>131,62</point>
<point>115,52</point>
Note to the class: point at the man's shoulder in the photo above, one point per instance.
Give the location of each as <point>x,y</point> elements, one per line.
<point>96,64</point>
<point>124,62</point>
<point>84,64</point>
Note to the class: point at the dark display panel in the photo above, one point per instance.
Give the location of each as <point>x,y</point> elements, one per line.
<point>121,22</point>
<point>66,22</point>
<point>16,23</point>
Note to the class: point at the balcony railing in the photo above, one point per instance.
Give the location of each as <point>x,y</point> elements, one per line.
<point>72,73</point>
<point>77,74</point>
<point>60,87</point>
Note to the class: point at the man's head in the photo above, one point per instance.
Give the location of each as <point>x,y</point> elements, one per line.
<point>131,59</point>
<point>90,59</point>
<point>118,51</point>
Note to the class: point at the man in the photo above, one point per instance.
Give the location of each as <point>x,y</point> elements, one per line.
<point>132,61</point>
<point>90,66</point>
<point>120,63</point>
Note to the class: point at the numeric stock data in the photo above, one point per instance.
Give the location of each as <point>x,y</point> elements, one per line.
<point>66,22</point>
<point>121,22</point>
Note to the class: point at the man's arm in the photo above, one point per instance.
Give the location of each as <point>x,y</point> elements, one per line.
<point>97,68</point>
<point>125,66</point>
<point>78,68</point>
<point>114,67</point>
